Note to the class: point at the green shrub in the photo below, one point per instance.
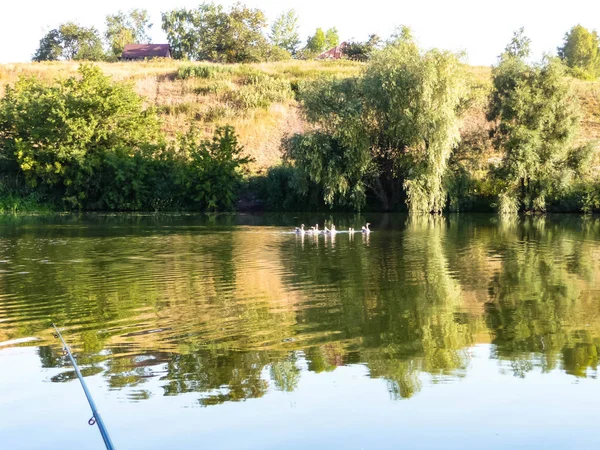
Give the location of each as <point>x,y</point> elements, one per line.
<point>215,169</point>
<point>280,190</point>
<point>58,136</point>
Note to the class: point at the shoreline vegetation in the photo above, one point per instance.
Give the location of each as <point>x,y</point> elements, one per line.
<point>399,128</point>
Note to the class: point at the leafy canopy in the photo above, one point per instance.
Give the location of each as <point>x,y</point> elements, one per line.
<point>284,32</point>
<point>322,40</point>
<point>389,132</point>
<point>581,52</point>
<point>58,135</point>
<point>536,117</point>
<point>70,41</point>
<point>127,28</point>
<point>210,33</point>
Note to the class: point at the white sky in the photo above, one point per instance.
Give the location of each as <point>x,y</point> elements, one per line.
<point>479,27</point>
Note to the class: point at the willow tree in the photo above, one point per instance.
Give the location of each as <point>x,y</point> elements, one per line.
<point>389,132</point>
<point>412,102</point>
<point>581,52</point>
<point>536,116</point>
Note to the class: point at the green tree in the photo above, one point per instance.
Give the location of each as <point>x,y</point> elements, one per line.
<point>581,52</point>
<point>536,117</point>
<point>127,28</point>
<point>317,42</point>
<point>242,38</point>
<point>362,51</point>
<point>284,32</point>
<point>519,46</point>
<point>215,169</point>
<point>208,32</point>
<point>60,135</point>
<point>182,27</point>
<point>332,38</point>
<point>390,132</point>
<point>70,41</point>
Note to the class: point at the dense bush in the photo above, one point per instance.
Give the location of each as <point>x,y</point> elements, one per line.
<point>214,169</point>
<point>87,142</point>
<point>60,135</point>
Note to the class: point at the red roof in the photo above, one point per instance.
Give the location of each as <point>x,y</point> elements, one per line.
<point>138,51</point>
<point>334,53</point>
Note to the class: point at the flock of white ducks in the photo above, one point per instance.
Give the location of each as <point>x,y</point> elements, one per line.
<point>315,230</point>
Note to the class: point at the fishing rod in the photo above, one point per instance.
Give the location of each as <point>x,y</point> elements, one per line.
<point>96,418</point>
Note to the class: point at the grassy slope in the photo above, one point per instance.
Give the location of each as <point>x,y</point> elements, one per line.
<point>208,102</point>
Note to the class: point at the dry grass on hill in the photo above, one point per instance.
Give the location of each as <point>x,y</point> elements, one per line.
<point>260,119</point>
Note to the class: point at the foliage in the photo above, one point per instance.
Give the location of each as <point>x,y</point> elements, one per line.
<point>60,134</point>
<point>70,41</point>
<point>395,126</point>
<point>536,118</point>
<point>316,43</point>
<point>341,169</point>
<point>581,52</point>
<point>14,201</point>
<point>322,41</point>
<point>284,32</point>
<point>210,33</point>
<point>362,51</point>
<point>332,38</point>
<point>215,169</point>
<point>279,189</point>
<point>519,46</point>
<point>87,142</point>
<point>127,28</point>
<point>274,53</point>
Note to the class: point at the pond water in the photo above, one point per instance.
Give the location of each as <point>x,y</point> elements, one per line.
<point>230,332</point>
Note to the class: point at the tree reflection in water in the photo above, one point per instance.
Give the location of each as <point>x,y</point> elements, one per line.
<point>230,312</point>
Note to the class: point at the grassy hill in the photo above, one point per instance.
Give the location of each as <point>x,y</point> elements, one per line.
<point>259,99</point>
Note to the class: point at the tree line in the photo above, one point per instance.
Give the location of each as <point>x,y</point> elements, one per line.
<point>387,139</point>
<point>390,139</point>
<point>208,32</point>
<point>240,34</point>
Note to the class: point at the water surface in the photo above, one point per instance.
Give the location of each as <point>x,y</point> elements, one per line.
<point>230,332</point>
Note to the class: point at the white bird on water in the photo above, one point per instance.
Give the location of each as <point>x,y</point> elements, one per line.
<point>365,229</point>
<point>299,230</point>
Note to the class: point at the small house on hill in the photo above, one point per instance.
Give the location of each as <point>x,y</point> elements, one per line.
<point>334,53</point>
<point>133,52</point>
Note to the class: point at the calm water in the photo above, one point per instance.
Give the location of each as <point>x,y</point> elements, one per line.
<point>229,332</point>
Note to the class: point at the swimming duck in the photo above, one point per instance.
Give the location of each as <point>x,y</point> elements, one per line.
<point>365,229</point>
<point>300,230</point>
